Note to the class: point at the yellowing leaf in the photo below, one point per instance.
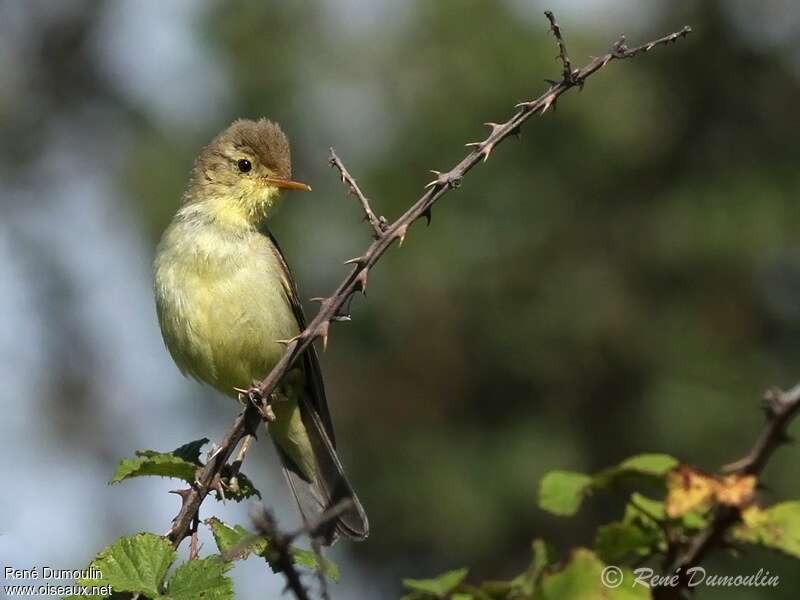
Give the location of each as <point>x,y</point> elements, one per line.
<point>690,489</point>
<point>687,490</point>
<point>776,527</point>
<point>736,490</point>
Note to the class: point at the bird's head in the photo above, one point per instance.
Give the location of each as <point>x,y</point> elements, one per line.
<point>240,175</point>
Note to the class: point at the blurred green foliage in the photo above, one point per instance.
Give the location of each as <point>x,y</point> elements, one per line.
<point>625,278</point>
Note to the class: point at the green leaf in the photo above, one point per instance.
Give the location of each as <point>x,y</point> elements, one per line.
<point>246,488</point>
<point>616,542</point>
<point>642,508</point>
<point>439,587</point>
<point>181,463</point>
<point>648,464</point>
<point>136,564</point>
<point>645,510</point>
<point>201,579</point>
<point>246,543</point>
<point>525,583</point>
<point>582,577</point>
<point>561,492</point>
<point>153,463</point>
<point>237,537</point>
<point>310,560</point>
<point>777,527</point>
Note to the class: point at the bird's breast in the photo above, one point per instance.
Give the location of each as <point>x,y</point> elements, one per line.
<point>222,306</point>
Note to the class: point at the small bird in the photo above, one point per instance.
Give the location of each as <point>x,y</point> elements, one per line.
<point>225,299</point>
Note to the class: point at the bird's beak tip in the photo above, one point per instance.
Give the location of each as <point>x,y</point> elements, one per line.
<point>288,184</point>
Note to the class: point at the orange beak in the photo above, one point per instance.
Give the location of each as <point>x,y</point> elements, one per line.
<point>287,184</point>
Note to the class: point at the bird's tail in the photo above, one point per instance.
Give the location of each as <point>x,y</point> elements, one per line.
<point>327,488</point>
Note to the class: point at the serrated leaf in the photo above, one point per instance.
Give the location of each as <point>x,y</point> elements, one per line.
<point>310,560</point>
<point>246,489</point>
<point>561,492</point>
<point>582,578</point>
<point>150,462</point>
<point>191,452</point>
<point>136,564</point>
<point>245,543</point>
<point>438,587</point>
<point>201,579</point>
<point>235,538</point>
<point>777,527</point>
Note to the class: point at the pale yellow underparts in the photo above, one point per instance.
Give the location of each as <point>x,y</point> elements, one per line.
<point>222,300</point>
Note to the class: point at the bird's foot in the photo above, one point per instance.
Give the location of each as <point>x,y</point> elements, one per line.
<point>252,395</point>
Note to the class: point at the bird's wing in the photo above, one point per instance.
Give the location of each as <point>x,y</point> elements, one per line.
<point>310,361</point>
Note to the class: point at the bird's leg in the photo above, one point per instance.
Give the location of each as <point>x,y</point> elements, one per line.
<point>290,387</point>
<point>252,395</point>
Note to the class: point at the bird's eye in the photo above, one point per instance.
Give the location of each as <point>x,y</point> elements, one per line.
<point>244,165</point>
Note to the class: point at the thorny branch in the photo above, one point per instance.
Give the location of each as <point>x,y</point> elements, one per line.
<point>378,223</point>
<point>780,408</point>
<point>333,308</point>
<point>279,550</point>
<point>563,56</point>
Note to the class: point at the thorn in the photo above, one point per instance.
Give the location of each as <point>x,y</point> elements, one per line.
<point>548,102</point>
<point>436,181</point>
<point>428,214</point>
<point>184,493</point>
<point>495,126</point>
<point>322,331</point>
<point>319,299</point>
<point>358,260</point>
<point>401,234</point>
<point>213,452</point>
<point>475,144</point>
<point>341,318</point>
<point>486,152</point>
<point>216,485</point>
<point>361,280</point>
<point>290,340</point>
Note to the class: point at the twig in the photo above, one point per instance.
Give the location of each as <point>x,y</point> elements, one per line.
<point>356,281</point>
<point>280,545</point>
<point>385,235</point>
<point>191,499</point>
<point>378,223</point>
<point>279,551</point>
<point>781,408</point>
<point>563,56</point>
